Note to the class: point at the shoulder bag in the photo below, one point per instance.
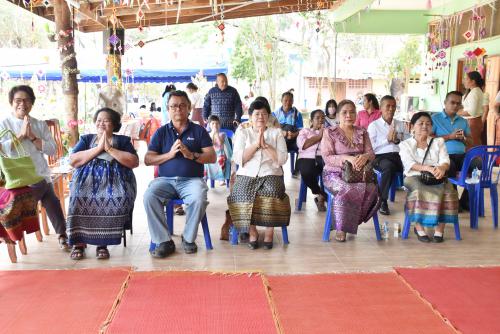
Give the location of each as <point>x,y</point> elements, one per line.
<point>426,177</point>
<point>18,171</point>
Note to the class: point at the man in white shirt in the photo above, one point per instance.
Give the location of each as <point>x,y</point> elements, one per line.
<point>385,140</point>
<point>36,140</point>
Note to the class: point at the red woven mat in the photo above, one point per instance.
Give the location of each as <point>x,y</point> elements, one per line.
<point>58,301</point>
<point>468,297</point>
<point>351,303</point>
<point>193,302</point>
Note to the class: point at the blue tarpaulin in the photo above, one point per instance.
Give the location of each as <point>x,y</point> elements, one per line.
<point>98,76</point>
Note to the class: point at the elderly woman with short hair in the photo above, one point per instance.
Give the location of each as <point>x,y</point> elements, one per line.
<point>103,187</point>
<point>427,205</point>
<point>354,203</point>
<point>258,196</point>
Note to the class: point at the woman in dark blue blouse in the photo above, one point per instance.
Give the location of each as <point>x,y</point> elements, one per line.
<point>103,187</point>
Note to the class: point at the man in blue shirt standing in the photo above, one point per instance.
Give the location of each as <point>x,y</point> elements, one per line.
<point>180,149</point>
<point>224,102</point>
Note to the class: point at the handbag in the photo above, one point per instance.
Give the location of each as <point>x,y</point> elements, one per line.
<point>18,170</point>
<point>364,175</point>
<point>426,177</point>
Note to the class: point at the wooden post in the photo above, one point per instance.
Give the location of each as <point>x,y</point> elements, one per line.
<point>69,68</point>
<point>114,68</point>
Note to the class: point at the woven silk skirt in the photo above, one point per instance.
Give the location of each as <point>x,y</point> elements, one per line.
<point>18,213</point>
<point>260,201</point>
<point>431,205</point>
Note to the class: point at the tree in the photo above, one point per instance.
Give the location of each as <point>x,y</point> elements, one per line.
<point>258,57</point>
<point>18,30</point>
<point>404,62</point>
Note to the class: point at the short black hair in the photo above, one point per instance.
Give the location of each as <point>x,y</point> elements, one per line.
<point>387,98</point>
<point>314,112</point>
<point>419,115</point>
<point>222,74</point>
<point>213,118</point>
<point>454,92</point>
<point>285,94</point>
<point>114,115</point>
<point>180,93</point>
<point>168,88</point>
<point>259,104</point>
<point>373,99</point>
<point>22,88</point>
<point>191,86</point>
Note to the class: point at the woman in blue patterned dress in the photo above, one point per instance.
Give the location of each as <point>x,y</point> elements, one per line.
<point>103,187</point>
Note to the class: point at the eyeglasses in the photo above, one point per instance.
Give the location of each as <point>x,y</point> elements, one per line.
<point>175,106</point>
<point>19,101</point>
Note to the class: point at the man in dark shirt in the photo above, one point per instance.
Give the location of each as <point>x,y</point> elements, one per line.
<point>180,148</point>
<point>224,102</point>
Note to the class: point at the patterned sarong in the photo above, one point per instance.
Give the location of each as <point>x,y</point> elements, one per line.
<point>18,213</point>
<point>353,203</point>
<point>101,203</point>
<point>260,201</point>
<point>431,205</point>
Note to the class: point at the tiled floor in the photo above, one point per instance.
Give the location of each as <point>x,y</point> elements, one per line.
<point>306,253</point>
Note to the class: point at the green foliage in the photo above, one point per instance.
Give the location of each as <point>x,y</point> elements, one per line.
<point>258,54</point>
<point>409,57</point>
<point>16,28</point>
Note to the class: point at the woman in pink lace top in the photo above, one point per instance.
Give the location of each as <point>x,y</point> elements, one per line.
<point>354,203</point>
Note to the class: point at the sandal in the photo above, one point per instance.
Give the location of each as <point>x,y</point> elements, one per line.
<point>77,253</point>
<point>179,211</point>
<point>102,253</point>
<point>340,236</point>
<point>63,243</point>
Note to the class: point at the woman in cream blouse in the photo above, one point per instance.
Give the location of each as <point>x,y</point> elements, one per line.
<point>258,196</point>
<point>473,105</point>
<point>428,205</point>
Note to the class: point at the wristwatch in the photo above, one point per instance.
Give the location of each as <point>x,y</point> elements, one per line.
<point>196,156</point>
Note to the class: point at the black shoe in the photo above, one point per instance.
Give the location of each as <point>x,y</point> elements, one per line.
<point>164,249</point>
<point>268,244</point>
<point>384,209</point>
<point>437,239</point>
<point>253,244</point>
<point>424,238</point>
<point>244,237</point>
<point>189,247</point>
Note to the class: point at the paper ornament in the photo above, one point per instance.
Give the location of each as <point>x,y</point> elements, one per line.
<point>468,35</point>
<point>482,33</point>
<point>141,44</point>
<point>221,26</point>
<point>113,39</point>
<point>442,54</point>
<point>114,78</point>
<point>41,88</point>
<point>446,44</point>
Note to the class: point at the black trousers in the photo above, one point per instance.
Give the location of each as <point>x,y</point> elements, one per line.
<point>388,164</point>
<point>44,192</point>
<point>310,173</point>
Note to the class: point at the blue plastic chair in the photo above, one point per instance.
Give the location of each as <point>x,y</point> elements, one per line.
<point>328,220</point>
<point>303,192</point>
<point>407,224</point>
<point>169,214</point>
<point>230,135</point>
<point>488,156</point>
<point>234,235</point>
<point>397,182</point>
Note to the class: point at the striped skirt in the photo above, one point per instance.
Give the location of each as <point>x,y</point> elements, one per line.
<point>431,205</point>
<point>260,201</point>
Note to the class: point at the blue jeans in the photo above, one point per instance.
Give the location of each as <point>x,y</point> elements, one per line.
<point>192,190</point>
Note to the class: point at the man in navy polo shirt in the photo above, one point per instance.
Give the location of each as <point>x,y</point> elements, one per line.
<point>179,148</point>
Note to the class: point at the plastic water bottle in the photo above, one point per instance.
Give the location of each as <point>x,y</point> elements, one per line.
<point>385,230</point>
<point>475,177</point>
